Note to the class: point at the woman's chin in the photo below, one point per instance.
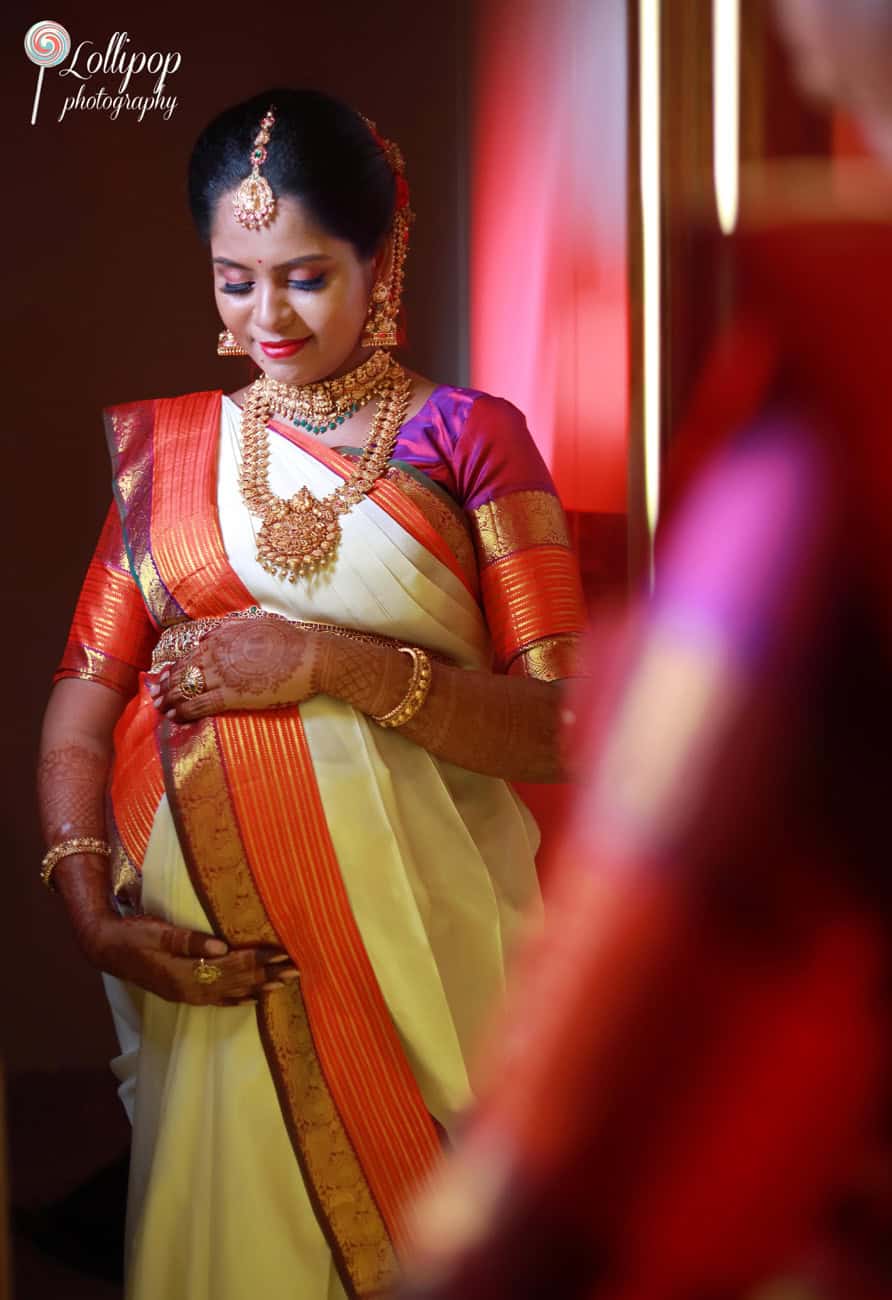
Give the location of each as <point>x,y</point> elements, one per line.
<point>299,368</point>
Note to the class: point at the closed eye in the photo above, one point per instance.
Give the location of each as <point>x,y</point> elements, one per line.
<point>316,283</point>
<point>245,286</point>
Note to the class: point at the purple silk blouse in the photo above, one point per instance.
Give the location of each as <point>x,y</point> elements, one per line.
<point>474,446</point>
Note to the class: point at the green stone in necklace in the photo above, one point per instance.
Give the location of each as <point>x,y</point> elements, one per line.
<point>315,428</point>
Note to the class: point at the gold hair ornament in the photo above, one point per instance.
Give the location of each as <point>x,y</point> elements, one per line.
<point>254,203</point>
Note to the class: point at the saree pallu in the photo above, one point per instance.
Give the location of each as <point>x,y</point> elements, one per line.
<point>276,1150</point>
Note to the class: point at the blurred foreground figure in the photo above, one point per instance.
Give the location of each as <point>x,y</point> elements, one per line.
<point>690,1095</point>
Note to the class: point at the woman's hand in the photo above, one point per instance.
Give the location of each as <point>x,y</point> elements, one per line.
<point>177,964</point>
<point>183,965</point>
<point>164,959</point>
<point>244,664</point>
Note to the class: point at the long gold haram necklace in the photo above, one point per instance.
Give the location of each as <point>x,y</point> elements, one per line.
<point>301,534</point>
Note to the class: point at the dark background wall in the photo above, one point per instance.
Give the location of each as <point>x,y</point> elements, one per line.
<point>106,297</point>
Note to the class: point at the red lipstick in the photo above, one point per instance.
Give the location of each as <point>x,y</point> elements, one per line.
<point>281,348</point>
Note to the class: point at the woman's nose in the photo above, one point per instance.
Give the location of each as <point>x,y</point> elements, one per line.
<point>273,312</point>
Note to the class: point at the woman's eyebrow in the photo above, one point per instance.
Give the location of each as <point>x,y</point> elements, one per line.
<point>294,261</point>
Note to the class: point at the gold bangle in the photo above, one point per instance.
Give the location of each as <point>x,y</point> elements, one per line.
<point>416,693</point>
<point>66,849</point>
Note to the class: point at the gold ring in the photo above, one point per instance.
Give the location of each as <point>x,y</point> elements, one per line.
<point>192,682</point>
<point>206,972</point>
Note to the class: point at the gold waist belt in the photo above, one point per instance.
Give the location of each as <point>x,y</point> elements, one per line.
<point>182,638</point>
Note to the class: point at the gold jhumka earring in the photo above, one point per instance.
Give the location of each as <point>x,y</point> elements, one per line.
<point>227,345</point>
<point>383,328</point>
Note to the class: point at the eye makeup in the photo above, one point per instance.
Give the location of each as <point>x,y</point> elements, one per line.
<point>245,286</point>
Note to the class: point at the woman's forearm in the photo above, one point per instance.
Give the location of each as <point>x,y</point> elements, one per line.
<point>501,726</point>
<point>75,751</point>
<point>71,778</point>
<point>72,771</point>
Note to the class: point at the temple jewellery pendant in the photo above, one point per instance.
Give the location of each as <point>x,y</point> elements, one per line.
<point>297,536</point>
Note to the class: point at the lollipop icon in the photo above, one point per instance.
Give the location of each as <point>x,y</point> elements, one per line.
<point>46,44</point>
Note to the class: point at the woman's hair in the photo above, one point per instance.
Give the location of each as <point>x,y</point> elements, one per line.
<point>320,151</point>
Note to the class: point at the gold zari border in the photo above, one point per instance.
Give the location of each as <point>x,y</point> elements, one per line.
<point>332,1173</point>
<point>97,666</point>
<point>550,660</point>
<point>517,521</point>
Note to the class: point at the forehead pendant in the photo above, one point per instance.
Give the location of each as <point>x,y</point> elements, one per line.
<point>254,203</point>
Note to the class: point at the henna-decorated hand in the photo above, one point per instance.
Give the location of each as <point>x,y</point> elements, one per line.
<point>161,958</point>
<point>246,664</point>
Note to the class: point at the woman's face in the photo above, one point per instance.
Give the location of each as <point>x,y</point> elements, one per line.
<point>291,283</point>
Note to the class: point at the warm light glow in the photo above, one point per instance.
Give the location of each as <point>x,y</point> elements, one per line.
<point>726,110</point>
<point>548,232</point>
<point>649,112</point>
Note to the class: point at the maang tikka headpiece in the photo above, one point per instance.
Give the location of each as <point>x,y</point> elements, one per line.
<point>383,328</point>
<point>254,203</point>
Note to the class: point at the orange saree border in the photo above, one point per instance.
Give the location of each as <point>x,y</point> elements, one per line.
<point>282,821</point>
<point>392,500</point>
<point>185,532</point>
<point>209,833</point>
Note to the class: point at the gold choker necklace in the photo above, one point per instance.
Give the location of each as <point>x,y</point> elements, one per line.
<point>322,406</point>
<point>300,535</point>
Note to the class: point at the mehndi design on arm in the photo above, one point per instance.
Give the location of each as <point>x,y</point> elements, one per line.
<point>486,722</point>
<point>501,726</point>
<point>368,677</point>
<point>71,786</point>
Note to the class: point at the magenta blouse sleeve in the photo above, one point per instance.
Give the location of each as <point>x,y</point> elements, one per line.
<point>528,572</point>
